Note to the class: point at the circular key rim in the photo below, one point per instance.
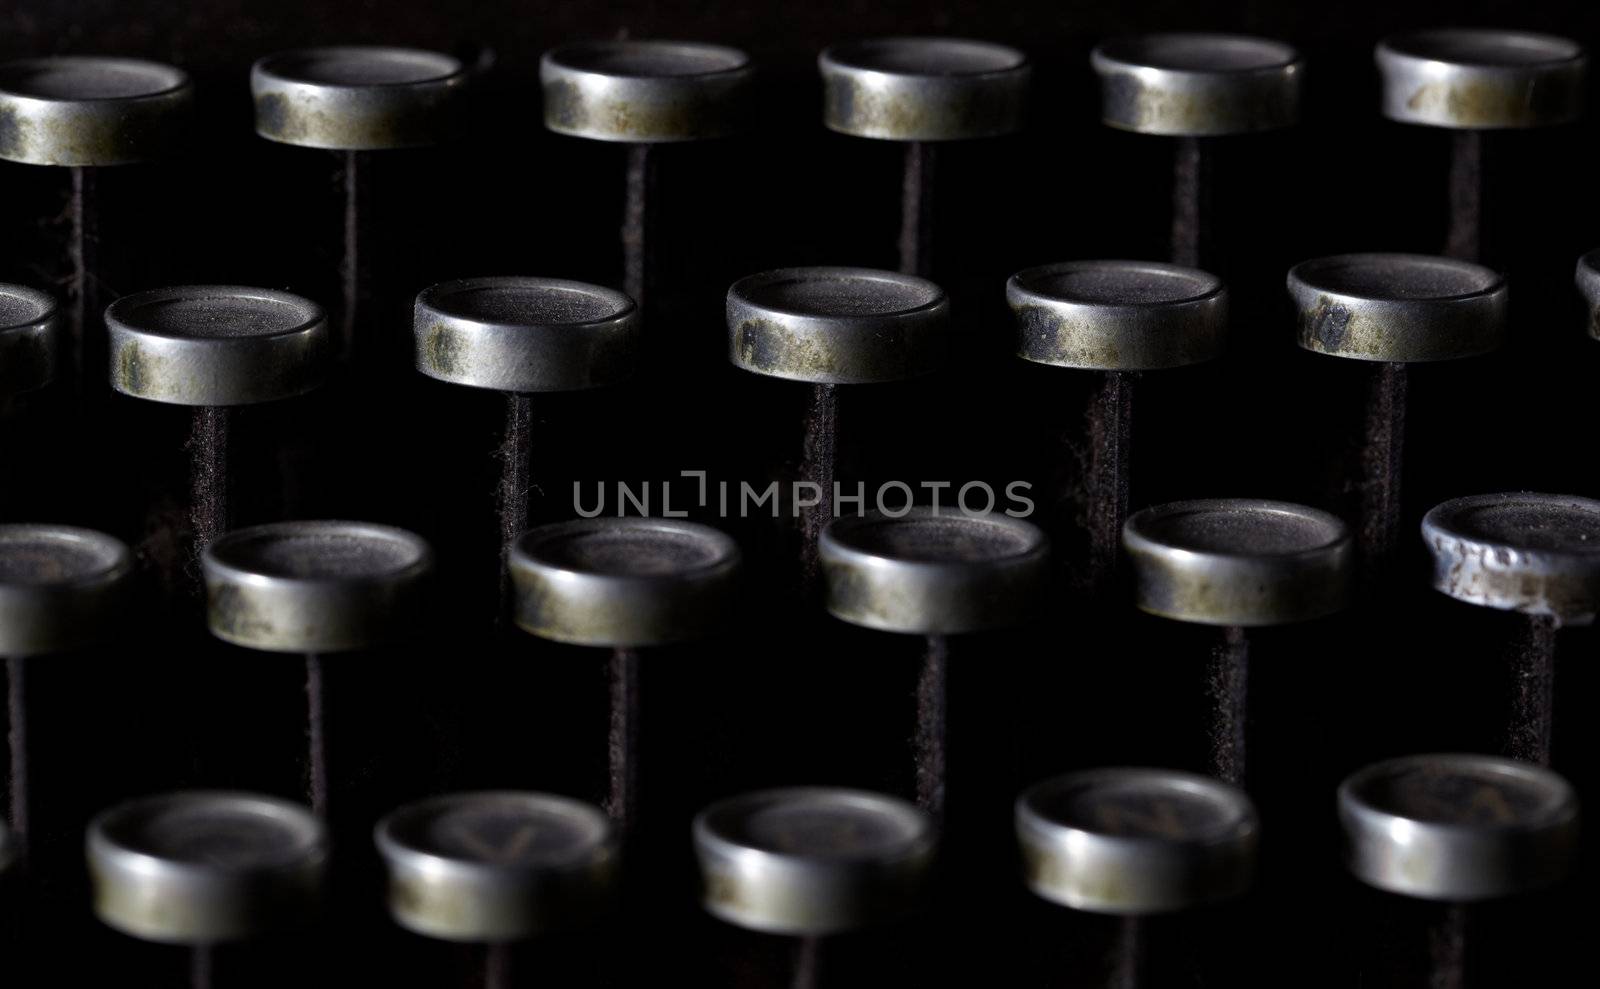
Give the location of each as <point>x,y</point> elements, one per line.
<point>645,109</point>
<point>868,101</point>
<point>29,350</point>
<point>1588,282</point>
<point>1098,872</point>
<point>379,116</point>
<point>1142,96</point>
<point>94,131</point>
<point>38,619</point>
<point>1479,95</point>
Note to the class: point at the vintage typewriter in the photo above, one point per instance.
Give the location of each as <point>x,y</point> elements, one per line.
<point>890,495</point>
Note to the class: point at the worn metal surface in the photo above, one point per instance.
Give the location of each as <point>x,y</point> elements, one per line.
<point>61,587</point>
<point>30,339</point>
<point>1118,315</point>
<point>841,326</point>
<point>1534,553</point>
<point>314,587</point>
<point>1196,84</point>
<point>358,97</point>
<point>1458,827</point>
<point>1588,279</point>
<point>202,867</point>
<point>1400,308</point>
<point>923,89</point>
<point>813,860</point>
<point>624,581</point>
<point>1481,79</point>
<point>1136,841</point>
<point>1239,561</point>
<point>646,92</point>
<point>216,345</point>
<point>526,334</point>
<point>91,110</point>
<point>497,866</point>
<point>933,573</point>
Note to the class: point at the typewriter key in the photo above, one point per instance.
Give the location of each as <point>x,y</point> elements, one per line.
<point>923,89</point>
<point>1458,828</point>
<point>1237,563</point>
<point>812,861</point>
<point>84,110</point>
<point>30,330</point>
<point>201,868</point>
<point>1467,78</point>
<point>1192,85</point>
<point>358,98</point>
<point>497,867</point>
<point>1589,288</point>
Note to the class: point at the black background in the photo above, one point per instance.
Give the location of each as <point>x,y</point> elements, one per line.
<point>786,695</point>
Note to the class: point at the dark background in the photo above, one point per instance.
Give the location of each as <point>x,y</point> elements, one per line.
<point>786,695</point>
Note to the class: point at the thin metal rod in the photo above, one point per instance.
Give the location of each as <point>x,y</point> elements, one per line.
<point>1229,687</point>
<point>638,218</point>
<point>818,458</point>
<point>516,482</point>
<point>354,284</point>
<point>1191,202</point>
<point>916,209</point>
<point>1466,238</point>
<point>1447,948</point>
<point>807,964</point>
<point>1533,672</point>
<point>623,745</point>
<point>1110,448</point>
<point>1129,962</point>
<point>201,964</point>
<point>317,782</point>
<point>497,967</point>
<point>208,459</point>
<point>84,290</point>
<point>933,683</point>
<point>17,739</point>
<point>1382,455</point>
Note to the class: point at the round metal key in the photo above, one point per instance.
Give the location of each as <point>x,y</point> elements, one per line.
<point>313,587</point>
<point>497,866</point>
<point>526,334</point>
<point>1589,287</point>
<point>645,92</point>
<point>1458,828</point>
<point>1136,841</point>
<point>837,325</point>
<point>358,98</point>
<point>1239,561</point>
<point>202,867</point>
<point>1198,84</point>
<point>1398,307</point>
<point>61,587</point>
<point>810,861</point>
<point>216,345</point>
<point>933,573</point>
<point>30,327</point>
<point>1534,553</point>
<point>1475,79</point>
<point>624,581</point>
<point>91,110</point>
<point>923,89</point>
<point>1118,315</point>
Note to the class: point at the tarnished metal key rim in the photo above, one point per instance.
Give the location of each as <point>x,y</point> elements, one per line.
<point>216,345</point>
<point>30,330</point>
<point>1534,553</point>
<point>646,91</point>
<point>933,573</point>
<point>358,97</point>
<point>923,88</point>
<point>1239,561</point>
<point>314,586</point>
<point>1118,315</point>
<point>203,867</point>
<point>60,587</point>
<point>624,582</point>
<point>1398,308</point>
<point>1458,827</point>
<point>1136,841</point>
<point>1588,280</point>
<point>519,334</point>
<point>1195,84</point>
<point>91,110</point>
<point>1481,79</point>
<point>497,866</point>
<point>832,325</point>
<point>812,860</point>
